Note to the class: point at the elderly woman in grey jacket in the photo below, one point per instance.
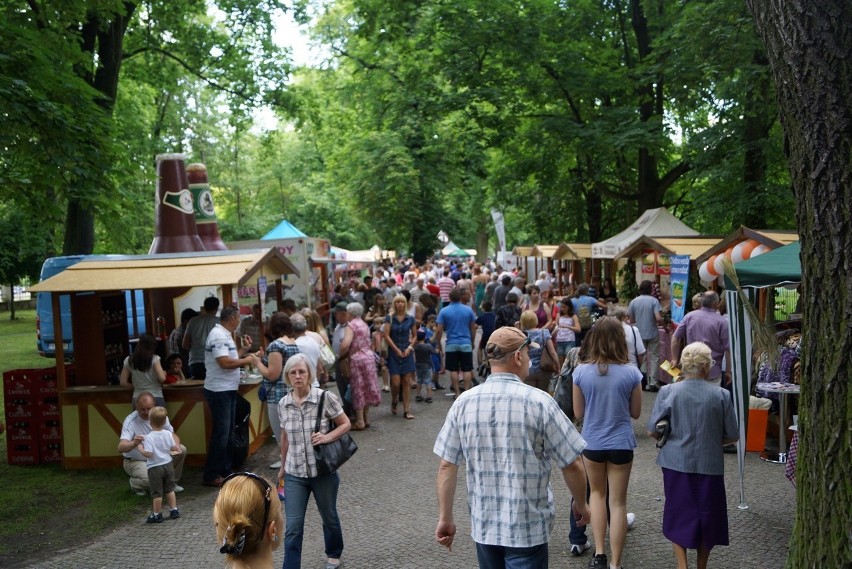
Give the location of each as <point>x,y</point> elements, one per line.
<point>701,420</point>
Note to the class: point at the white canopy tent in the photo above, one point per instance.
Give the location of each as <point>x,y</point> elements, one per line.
<point>656,222</point>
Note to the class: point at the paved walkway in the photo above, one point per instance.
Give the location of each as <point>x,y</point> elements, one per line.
<point>387,506</point>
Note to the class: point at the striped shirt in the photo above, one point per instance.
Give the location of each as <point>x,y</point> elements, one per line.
<point>445,285</point>
<point>298,423</point>
<point>508,433</point>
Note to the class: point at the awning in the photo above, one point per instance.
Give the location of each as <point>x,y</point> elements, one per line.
<point>134,272</point>
<point>655,223</point>
<point>772,238</point>
<point>688,245</point>
<point>779,267</point>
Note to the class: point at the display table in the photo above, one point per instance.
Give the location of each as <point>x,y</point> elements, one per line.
<point>92,417</point>
<point>783,390</point>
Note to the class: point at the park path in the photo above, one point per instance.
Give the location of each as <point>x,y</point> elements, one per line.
<point>388,507</point>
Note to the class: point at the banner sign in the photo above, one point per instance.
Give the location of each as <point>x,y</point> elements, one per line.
<point>663,264</point>
<point>680,284</point>
<point>246,297</point>
<point>649,262</point>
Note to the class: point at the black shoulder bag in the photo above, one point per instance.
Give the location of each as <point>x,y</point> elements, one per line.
<point>331,456</point>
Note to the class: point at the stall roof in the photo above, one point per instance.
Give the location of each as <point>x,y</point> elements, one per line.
<point>689,245</point>
<point>546,251</point>
<point>170,270</point>
<point>772,238</point>
<point>284,230</point>
<point>519,251</point>
<point>573,251</point>
<point>657,222</point>
<point>778,267</point>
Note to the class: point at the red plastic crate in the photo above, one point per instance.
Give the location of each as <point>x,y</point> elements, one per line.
<point>44,382</point>
<point>20,408</point>
<point>50,452</point>
<point>48,406</point>
<point>18,383</point>
<point>22,431</point>
<point>22,454</point>
<point>49,430</point>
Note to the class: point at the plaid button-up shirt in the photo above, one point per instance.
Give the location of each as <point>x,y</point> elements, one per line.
<point>299,422</point>
<point>508,433</point>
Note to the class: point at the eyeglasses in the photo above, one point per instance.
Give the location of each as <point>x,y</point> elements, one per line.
<point>266,490</point>
<point>521,347</point>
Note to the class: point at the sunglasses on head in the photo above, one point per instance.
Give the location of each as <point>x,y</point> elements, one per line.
<point>526,343</point>
<point>265,489</point>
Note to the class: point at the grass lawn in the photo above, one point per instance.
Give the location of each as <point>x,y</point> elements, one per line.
<point>79,504</point>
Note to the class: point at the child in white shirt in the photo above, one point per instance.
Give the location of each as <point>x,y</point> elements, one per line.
<point>158,447</point>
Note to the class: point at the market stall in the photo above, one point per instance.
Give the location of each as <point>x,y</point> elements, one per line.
<point>780,267</point>
<point>91,408</point>
<point>305,287</point>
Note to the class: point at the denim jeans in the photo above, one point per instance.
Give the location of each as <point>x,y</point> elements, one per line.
<point>298,490</point>
<point>220,449</point>
<point>501,557</point>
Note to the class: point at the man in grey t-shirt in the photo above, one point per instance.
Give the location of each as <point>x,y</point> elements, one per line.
<point>645,312</point>
<point>196,334</point>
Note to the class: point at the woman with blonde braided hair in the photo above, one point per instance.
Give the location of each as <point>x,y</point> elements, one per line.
<point>701,420</point>
<point>249,521</point>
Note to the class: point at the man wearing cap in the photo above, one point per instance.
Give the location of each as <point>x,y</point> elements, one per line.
<point>507,433</point>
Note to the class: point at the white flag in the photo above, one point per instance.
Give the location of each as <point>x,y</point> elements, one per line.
<point>497,216</point>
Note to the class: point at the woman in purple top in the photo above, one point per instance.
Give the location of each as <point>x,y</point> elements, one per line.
<point>607,395</point>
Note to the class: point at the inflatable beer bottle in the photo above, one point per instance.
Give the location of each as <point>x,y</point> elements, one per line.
<point>205,215</point>
<point>174,219</point>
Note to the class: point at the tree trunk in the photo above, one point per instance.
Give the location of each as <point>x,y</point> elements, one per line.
<point>809,47</point>
<point>104,37</point>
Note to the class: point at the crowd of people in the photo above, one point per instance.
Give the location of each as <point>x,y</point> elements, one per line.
<point>400,331</point>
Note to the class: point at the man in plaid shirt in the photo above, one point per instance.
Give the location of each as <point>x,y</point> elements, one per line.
<point>508,433</point>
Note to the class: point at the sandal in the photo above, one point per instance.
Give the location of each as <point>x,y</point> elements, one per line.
<point>418,398</point>
<point>428,400</point>
<point>408,415</point>
<point>393,407</point>
<point>357,428</point>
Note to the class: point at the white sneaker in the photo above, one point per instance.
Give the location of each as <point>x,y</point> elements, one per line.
<point>631,519</point>
<point>276,464</point>
<point>579,549</point>
<point>178,488</point>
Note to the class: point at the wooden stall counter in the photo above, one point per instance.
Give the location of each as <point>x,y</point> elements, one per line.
<point>92,417</point>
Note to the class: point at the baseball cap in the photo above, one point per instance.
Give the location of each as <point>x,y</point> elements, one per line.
<point>506,340</point>
<point>340,307</point>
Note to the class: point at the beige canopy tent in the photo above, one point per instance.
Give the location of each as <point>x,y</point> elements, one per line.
<point>656,222</point>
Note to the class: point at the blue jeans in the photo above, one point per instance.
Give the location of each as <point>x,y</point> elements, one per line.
<point>298,490</point>
<point>220,449</point>
<point>501,557</point>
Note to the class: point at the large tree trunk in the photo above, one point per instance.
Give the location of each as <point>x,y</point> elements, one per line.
<point>104,40</point>
<point>809,46</point>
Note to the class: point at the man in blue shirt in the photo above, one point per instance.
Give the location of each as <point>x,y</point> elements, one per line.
<point>459,320</point>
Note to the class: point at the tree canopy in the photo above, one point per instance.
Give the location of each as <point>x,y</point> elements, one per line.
<point>571,118</point>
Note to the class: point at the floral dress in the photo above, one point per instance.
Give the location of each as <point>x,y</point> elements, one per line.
<point>363,383</point>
